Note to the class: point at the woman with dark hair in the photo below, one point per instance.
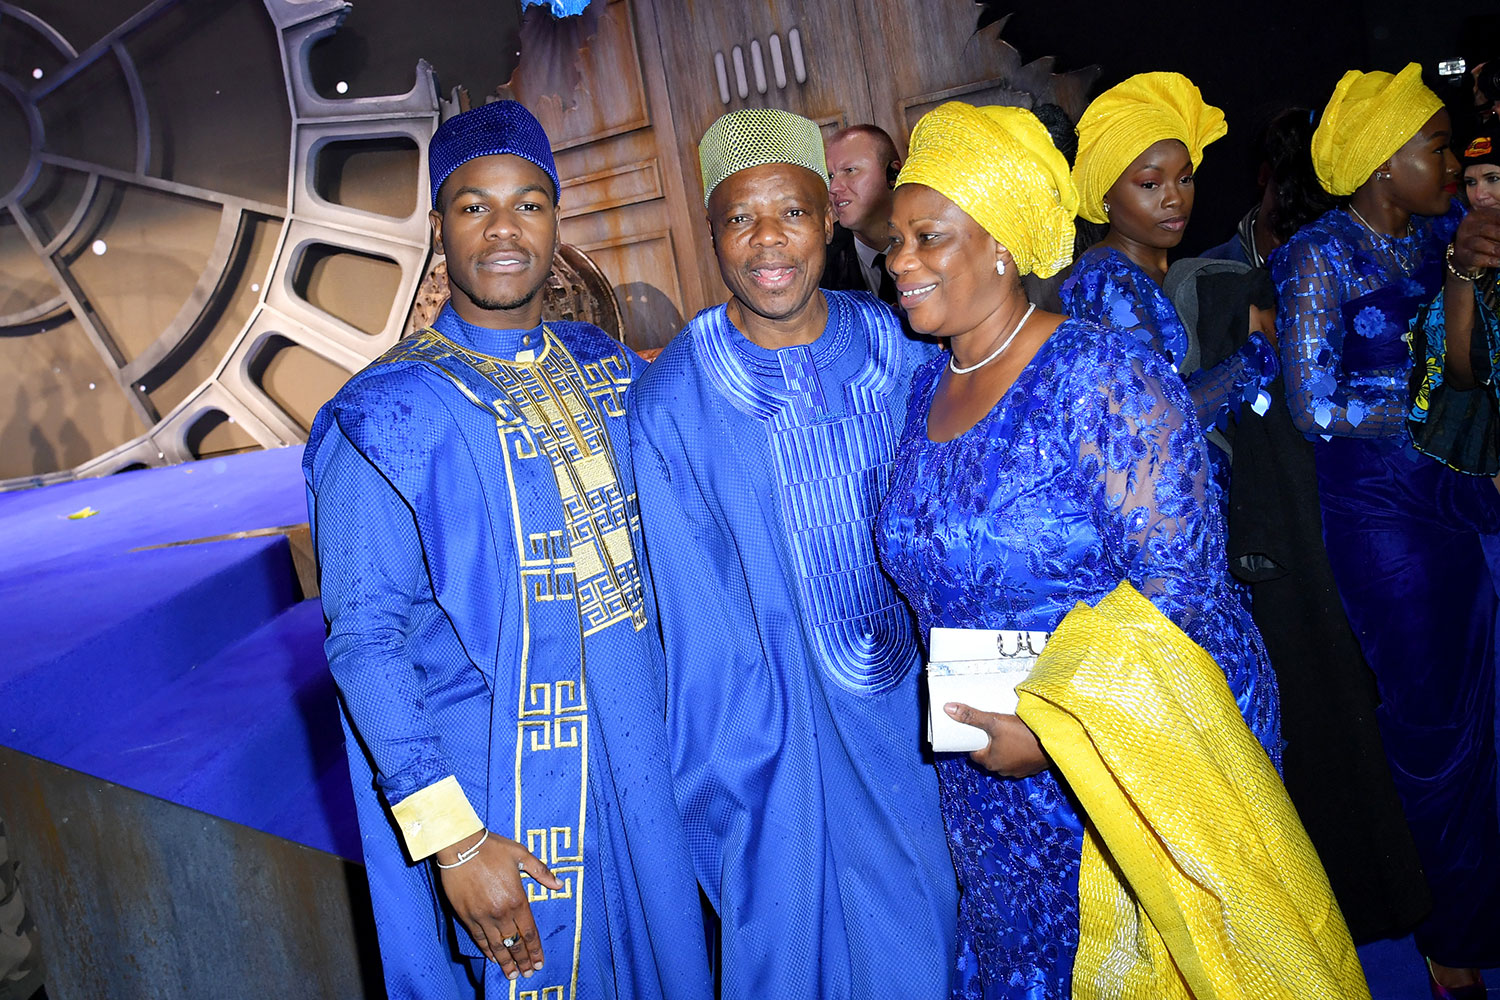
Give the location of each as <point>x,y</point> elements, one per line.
<point>1481,163</point>
<point>1334,762</point>
<point>1290,194</point>
<point>1138,146</point>
<point>1404,534</point>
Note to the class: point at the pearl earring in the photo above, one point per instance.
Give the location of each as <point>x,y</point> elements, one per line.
<point>999,267</point>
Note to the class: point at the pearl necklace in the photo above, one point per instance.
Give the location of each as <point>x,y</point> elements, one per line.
<point>996,352</point>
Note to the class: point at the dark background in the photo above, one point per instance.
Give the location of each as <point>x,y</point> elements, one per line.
<point>210,72</point>
<point>1251,60</point>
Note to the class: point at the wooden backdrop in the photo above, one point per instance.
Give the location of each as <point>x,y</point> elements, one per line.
<point>214,337</point>
<point>658,72</point>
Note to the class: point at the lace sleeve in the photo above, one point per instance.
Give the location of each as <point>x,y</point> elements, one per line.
<point>1110,294</point>
<point>1220,391</point>
<point>1310,327</point>
<point>1143,458</point>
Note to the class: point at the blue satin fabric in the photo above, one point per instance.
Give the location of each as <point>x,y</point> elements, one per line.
<point>1091,470</point>
<point>1405,538</point>
<point>791,662</point>
<point>489,618</point>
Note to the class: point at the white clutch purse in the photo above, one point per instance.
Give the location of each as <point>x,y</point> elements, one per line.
<point>980,668</point>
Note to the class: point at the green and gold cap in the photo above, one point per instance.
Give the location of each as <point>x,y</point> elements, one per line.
<point>751,137</point>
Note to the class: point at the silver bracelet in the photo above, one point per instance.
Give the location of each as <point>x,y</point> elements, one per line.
<point>464,857</point>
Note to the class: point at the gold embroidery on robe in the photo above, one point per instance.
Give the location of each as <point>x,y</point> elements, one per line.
<point>552,406</point>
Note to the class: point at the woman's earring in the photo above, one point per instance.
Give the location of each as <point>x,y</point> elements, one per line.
<point>999,267</point>
<point>1106,208</point>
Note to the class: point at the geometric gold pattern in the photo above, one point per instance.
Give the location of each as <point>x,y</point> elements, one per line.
<point>549,407</point>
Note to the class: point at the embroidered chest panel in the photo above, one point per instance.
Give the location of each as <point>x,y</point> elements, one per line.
<point>832,467</point>
<point>555,409</point>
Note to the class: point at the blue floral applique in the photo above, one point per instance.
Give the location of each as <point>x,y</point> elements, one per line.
<point>1370,322</point>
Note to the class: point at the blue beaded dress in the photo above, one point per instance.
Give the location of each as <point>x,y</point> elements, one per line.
<point>1090,470</point>
<point>792,664</point>
<point>1405,538</point>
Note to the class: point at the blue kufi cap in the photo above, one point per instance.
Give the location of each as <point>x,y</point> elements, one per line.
<point>489,130</point>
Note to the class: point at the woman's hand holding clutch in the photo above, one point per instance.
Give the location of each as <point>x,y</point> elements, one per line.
<point>1013,750</point>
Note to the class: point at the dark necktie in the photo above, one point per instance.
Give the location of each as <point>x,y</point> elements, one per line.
<point>887,290</point>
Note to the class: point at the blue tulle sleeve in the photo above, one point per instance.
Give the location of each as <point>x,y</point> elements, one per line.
<point>1145,463</point>
<point>1107,289</point>
<point>1322,397</point>
<point>1220,391</point>
<point>1146,460</point>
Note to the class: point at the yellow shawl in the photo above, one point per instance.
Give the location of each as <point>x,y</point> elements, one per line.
<point>1197,877</point>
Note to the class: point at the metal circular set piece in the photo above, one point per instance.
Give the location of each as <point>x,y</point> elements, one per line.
<point>309,224</point>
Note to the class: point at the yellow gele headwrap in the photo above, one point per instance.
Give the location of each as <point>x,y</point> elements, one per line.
<point>1368,118</point>
<point>1125,120</point>
<point>1000,166</point>
<point>752,137</point>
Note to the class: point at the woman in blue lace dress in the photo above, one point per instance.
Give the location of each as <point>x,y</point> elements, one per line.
<point>1404,533</point>
<point>1044,460</point>
<point>1138,145</point>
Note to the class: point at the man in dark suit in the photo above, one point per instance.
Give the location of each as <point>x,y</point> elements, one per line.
<point>862,167</point>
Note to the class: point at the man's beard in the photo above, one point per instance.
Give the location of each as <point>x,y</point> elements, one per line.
<point>498,305</point>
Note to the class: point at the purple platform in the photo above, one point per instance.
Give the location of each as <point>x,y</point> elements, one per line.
<point>193,673</point>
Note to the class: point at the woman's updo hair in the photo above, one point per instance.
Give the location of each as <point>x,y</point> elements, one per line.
<point>1284,146</point>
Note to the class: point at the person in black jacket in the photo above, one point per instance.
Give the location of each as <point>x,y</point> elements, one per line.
<point>862,167</point>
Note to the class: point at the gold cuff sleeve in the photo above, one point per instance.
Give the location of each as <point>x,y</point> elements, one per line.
<point>435,817</point>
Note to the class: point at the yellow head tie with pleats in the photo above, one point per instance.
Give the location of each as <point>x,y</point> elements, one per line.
<point>1127,119</point>
<point>1368,118</point>
<point>1001,167</point>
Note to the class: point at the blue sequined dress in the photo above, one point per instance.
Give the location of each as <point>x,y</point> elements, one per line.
<point>1405,539</point>
<point>1090,470</point>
